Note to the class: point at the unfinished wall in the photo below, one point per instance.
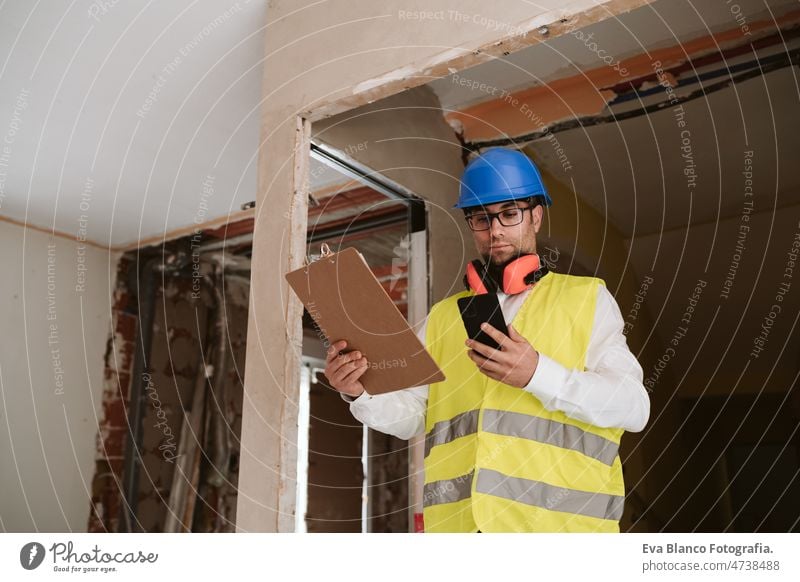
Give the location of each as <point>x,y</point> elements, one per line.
<point>181,348</point>
<point>55,314</point>
<point>112,429</point>
<point>182,333</point>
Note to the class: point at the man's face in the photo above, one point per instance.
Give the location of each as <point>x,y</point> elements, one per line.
<point>501,244</point>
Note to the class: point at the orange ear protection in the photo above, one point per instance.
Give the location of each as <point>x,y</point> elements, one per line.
<point>517,276</point>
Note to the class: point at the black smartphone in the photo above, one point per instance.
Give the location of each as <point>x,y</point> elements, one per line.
<point>479,309</point>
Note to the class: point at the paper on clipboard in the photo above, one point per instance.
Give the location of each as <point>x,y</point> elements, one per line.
<point>347,302</point>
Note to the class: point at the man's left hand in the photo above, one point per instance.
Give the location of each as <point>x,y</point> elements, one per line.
<point>513,364</point>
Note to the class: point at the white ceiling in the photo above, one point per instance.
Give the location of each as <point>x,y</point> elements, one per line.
<point>88,73</point>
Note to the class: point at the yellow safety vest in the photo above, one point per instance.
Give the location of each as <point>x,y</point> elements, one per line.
<point>496,460</point>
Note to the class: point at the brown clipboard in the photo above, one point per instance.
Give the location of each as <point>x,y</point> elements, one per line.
<point>347,302</point>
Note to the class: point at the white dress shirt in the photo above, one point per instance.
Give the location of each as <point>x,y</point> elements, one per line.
<point>609,393</point>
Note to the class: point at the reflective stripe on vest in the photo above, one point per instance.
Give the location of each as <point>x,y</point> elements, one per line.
<point>447,491</point>
<point>449,430</point>
<point>547,496</point>
<point>525,491</point>
<point>550,432</point>
<point>514,424</point>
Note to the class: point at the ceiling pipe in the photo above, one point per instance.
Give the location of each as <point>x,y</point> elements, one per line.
<point>220,445</point>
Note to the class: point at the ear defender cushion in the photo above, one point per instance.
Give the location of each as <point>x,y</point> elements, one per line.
<point>516,273</point>
<point>473,279</point>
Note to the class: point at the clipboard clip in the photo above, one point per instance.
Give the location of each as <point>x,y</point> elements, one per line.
<point>324,252</point>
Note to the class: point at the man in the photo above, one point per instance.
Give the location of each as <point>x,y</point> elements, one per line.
<point>525,437</point>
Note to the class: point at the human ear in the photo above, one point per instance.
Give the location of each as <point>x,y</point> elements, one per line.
<point>537,214</point>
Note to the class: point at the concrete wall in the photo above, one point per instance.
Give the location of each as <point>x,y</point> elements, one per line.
<point>51,363</point>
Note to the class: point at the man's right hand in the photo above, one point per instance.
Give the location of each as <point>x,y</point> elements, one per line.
<point>343,371</point>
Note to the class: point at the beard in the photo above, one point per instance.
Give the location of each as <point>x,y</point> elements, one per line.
<point>493,263</point>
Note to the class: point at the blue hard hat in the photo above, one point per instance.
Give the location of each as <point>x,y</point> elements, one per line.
<point>498,175</point>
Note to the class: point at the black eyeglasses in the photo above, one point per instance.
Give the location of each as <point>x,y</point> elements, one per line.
<point>508,217</point>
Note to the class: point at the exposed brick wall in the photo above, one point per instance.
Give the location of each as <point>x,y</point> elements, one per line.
<point>113,428</point>
<point>174,362</point>
<point>173,367</point>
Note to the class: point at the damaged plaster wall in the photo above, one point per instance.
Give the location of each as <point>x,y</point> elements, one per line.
<point>51,376</point>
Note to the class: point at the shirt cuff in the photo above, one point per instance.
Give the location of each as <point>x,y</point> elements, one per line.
<point>548,380</point>
<point>360,397</point>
